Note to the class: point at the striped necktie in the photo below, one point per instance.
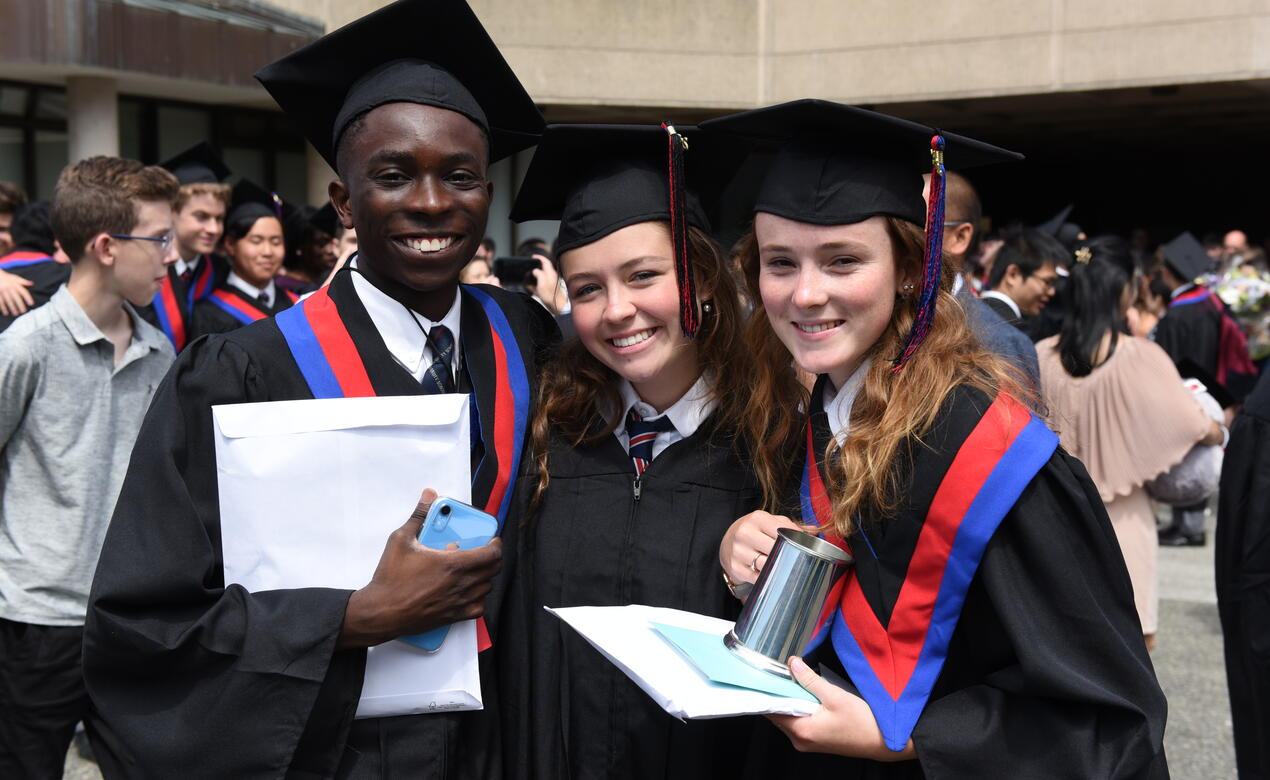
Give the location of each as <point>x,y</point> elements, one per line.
<point>439,378</point>
<point>642,435</point>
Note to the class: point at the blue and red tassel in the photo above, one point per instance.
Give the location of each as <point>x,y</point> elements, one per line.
<point>689,317</point>
<point>932,263</point>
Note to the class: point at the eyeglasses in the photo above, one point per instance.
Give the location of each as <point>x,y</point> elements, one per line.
<point>1048,282</point>
<point>165,241</point>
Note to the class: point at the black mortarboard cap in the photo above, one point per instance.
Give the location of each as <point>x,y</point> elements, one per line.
<point>1052,225</point>
<point>199,164</point>
<point>251,201</point>
<point>325,219</point>
<point>597,179</point>
<point>837,165</point>
<point>1186,256</point>
<point>431,52</point>
<point>31,229</point>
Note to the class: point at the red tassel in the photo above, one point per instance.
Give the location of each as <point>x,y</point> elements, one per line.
<point>689,318</point>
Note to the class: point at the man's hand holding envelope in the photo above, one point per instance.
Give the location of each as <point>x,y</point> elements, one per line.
<point>415,589</point>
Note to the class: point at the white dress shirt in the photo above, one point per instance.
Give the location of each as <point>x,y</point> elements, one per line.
<point>183,265</point>
<point>838,401</point>
<point>1014,307</point>
<point>252,291</point>
<point>686,414</point>
<point>400,327</point>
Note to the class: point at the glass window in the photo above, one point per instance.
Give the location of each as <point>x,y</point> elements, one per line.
<point>50,103</point>
<point>130,129</point>
<point>292,177</point>
<point>246,163</point>
<point>11,155</point>
<point>50,157</point>
<point>12,100</point>
<point>180,128</point>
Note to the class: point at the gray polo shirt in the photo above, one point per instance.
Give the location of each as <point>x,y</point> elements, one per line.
<point>68,419</point>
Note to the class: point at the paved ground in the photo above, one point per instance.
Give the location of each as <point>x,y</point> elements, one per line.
<point>1188,660</point>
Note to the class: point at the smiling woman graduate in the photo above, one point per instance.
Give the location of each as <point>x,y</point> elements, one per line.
<point>193,678</point>
<point>637,470</point>
<point>987,628</point>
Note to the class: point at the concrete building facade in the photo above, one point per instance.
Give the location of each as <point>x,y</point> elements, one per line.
<point>1112,101</point>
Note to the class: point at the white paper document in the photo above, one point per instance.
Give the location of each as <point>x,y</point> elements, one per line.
<point>310,491</point>
<point>624,636</point>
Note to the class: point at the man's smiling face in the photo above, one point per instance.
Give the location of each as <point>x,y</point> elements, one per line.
<point>413,181</point>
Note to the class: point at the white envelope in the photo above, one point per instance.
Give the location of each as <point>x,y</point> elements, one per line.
<point>623,635</point>
<point>310,491</point>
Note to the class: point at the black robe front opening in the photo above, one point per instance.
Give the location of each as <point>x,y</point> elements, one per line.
<point>192,679</point>
<point>1243,580</point>
<point>568,711</point>
<point>1046,675</point>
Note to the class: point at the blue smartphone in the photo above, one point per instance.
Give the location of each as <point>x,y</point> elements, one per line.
<point>451,522</point>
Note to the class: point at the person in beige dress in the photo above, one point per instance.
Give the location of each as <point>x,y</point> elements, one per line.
<point>1119,405</point>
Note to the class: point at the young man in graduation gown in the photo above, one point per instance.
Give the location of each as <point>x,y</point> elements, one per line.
<point>255,243</point>
<point>192,678</point>
<point>1196,328</point>
<point>200,220</point>
<point>1243,579</point>
<point>35,257</point>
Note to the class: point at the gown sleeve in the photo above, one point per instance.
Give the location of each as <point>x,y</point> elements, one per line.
<point>1052,671</point>
<point>188,677</point>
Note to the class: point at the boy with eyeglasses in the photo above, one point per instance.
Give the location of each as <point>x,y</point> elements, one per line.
<point>76,377</point>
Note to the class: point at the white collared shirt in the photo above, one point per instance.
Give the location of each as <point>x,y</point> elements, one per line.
<point>1014,307</point>
<point>400,327</point>
<point>183,265</point>
<point>838,402</point>
<point>252,291</point>
<point>1183,289</point>
<point>686,414</point>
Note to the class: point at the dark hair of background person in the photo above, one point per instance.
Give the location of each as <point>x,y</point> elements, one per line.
<point>963,205</point>
<point>533,246</point>
<point>1159,288</point>
<point>1029,249</point>
<point>488,245</point>
<point>11,197</point>
<point>31,229</point>
<point>1095,290</point>
<point>575,386</point>
<point>302,240</point>
<point>100,194</point>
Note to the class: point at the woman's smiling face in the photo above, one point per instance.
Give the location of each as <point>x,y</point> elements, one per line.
<point>828,290</point>
<point>626,310</point>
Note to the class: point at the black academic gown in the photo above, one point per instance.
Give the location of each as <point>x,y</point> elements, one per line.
<point>1191,331</point>
<point>1243,580</point>
<point>569,712</point>
<point>46,278</point>
<point>209,318</point>
<point>181,292</point>
<point>192,679</point>
<point>1046,673</point>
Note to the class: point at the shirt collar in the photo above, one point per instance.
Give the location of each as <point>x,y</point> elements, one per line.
<point>1014,307</point>
<point>251,290</point>
<point>1183,289</point>
<point>399,326</point>
<point>686,414</point>
<point>85,331</point>
<point>182,265</point>
<point>838,402</point>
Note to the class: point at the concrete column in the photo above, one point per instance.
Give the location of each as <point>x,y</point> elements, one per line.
<point>320,175</point>
<point>92,116</point>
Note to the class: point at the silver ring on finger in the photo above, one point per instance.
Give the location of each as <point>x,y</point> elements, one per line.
<point>754,563</point>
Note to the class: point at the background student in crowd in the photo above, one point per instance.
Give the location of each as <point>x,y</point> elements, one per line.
<point>1120,407</point>
<point>637,468</point>
<point>200,221</point>
<point>35,256</point>
<point>1031,650</point>
<point>76,377</point>
<point>1023,277</point>
<point>277,675</point>
<point>255,245</point>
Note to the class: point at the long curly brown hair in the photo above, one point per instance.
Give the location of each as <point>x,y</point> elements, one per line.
<point>890,410</point>
<point>576,389</point>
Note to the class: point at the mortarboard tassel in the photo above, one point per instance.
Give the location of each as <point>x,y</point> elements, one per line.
<point>277,205</point>
<point>933,261</point>
<point>689,319</point>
